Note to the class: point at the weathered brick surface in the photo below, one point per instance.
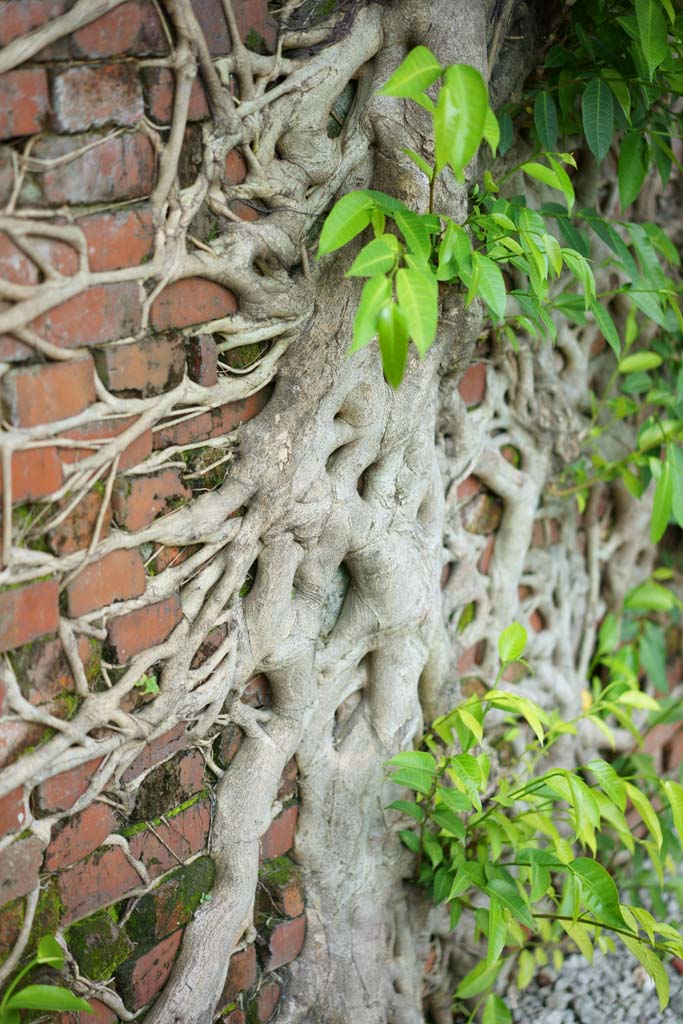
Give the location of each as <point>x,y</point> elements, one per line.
<point>286,940</point>
<point>119,167</point>
<point>115,577</point>
<point>144,368</point>
<point>137,451</point>
<point>172,904</point>
<point>102,878</point>
<point>202,360</point>
<point>133,28</point>
<point>101,1015</point>
<point>76,837</point>
<point>118,238</point>
<point>169,784</point>
<point>15,738</point>
<point>102,313</point>
<point>193,300</point>
<point>140,980</point>
<point>177,838</point>
<point>242,975</point>
<point>159,92</point>
<point>264,1005</point>
<point>136,631</point>
<point>156,751</point>
<point>35,474</point>
<point>472,386</point>
<point>90,96</point>
<point>279,838</point>
<point>138,500</point>
<point>42,669</point>
<point>53,391</point>
<point>12,812</point>
<point>24,101</point>
<point>19,866</point>
<point>76,530</point>
<point>62,791</point>
<point>211,424</point>
<point>28,612</point>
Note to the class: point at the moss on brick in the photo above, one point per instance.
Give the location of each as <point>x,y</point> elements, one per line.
<point>172,903</point>
<point>278,872</point>
<point>98,945</point>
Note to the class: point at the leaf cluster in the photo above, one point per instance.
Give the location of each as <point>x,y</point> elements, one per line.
<point>40,997</point>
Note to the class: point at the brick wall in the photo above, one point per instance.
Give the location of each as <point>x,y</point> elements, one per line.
<point>120,875</point>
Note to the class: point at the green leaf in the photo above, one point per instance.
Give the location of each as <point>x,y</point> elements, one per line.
<point>652,964</point>
<point>526,969</point>
<point>497,931</point>
<point>491,285</point>
<point>606,326</point>
<point>392,332</point>
<point>420,782</point>
<point>550,176</point>
<point>545,119</point>
<point>413,810</point>
<point>50,952</point>
<point>419,759</point>
<point>449,822</point>
<point>652,655</point>
<point>376,294</point>
<point>347,218</point>
<point>459,118</point>
<point>637,699</point>
<point>597,108</point>
<point>453,799</point>
<point>418,161</point>
<point>415,232</point>
<point>491,132</point>
<point>640,361</point>
<point>506,132</point>
<point>599,891</point>
<point>610,783</point>
<point>511,643</point>
<point>652,33</point>
<point>46,997</point>
<point>661,507</point>
<point>9,1017</point>
<point>377,257</point>
<point>495,1011</point>
<point>631,169</point>
<point>646,812</point>
<point>677,499</point>
<point>478,980</point>
<point>410,839</point>
<point>650,597</point>
<point>509,896</point>
<point>674,794</point>
<point>418,300</point>
<point>415,74</point>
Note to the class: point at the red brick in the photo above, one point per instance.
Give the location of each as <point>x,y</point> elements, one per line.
<point>62,791</point>
<point>17,267</point>
<point>18,17</point>
<point>249,14</point>
<point>194,300</point>
<point>11,919</point>
<point>129,634</point>
<point>157,750</point>
<point>103,313</point>
<point>119,238</point>
<point>215,423</point>
<point>470,658</point>
<point>469,486</point>
<point>12,812</point>
<point>159,91</point>
<point>43,671</point>
<point>76,837</point>
<point>15,738</point>
<point>12,351</point>
<point>487,554</point>
<point>43,393</point>
<point>286,940</point>
<point>132,29</point>
<point>237,1016</point>
<point>288,781</point>
<point>241,975</point>
<point>121,167</point>
<point>209,645</point>
<point>141,980</point>
<point>138,500</point>
<point>28,612</point>
<point>118,576</point>
<point>482,514</point>
<point>178,838</point>
<point>143,368</point>
<point>35,474</point>
<point>472,386</point>
<point>167,557</point>
<point>24,102</point>
<point>19,867</point>
<point>266,1001</point>
<point>279,838</point>
<point>102,1015</point>
<point>202,360</point>
<point>229,743</point>
<point>91,96</point>
<point>286,897</point>
<point>137,451</point>
<point>102,878</point>
<point>75,532</point>
<point>256,693</point>
<point>235,168</point>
